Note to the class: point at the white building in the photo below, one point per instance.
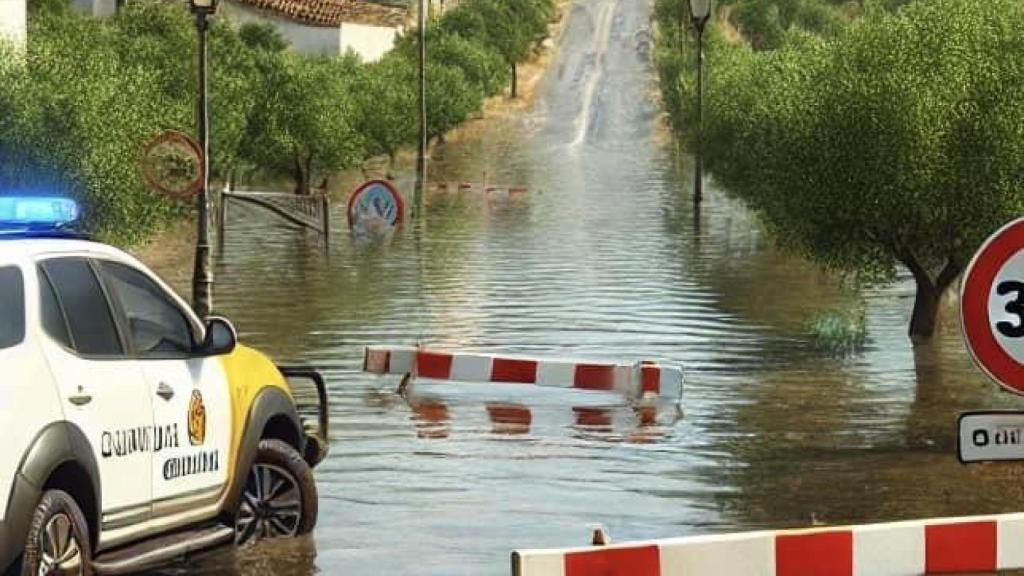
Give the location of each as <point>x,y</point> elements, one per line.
<point>328,27</point>
<point>12,21</point>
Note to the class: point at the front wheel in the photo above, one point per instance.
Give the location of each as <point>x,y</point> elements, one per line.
<point>279,499</point>
<point>58,539</point>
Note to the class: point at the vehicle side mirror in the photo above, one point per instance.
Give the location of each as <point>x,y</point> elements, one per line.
<point>221,337</point>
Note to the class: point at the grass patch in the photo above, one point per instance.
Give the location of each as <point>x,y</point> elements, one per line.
<point>839,332</point>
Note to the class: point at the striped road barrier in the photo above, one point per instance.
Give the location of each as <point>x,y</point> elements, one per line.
<point>937,546</point>
<point>636,380</point>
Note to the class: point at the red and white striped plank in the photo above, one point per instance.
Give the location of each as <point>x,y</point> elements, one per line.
<point>937,546</point>
<point>633,379</point>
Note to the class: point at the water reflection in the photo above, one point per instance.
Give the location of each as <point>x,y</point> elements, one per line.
<point>430,418</point>
<point>509,419</point>
<point>296,556</point>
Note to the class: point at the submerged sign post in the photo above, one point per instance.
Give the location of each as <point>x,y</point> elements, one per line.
<point>992,317</point>
<point>375,206</point>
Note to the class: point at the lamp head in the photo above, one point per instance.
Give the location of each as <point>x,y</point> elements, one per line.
<point>207,6</point>
<point>700,11</point>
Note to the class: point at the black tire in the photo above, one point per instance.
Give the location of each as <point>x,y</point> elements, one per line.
<point>58,535</point>
<point>279,498</point>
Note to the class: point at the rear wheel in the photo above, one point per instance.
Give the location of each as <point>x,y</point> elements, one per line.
<point>58,539</point>
<point>279,499</point>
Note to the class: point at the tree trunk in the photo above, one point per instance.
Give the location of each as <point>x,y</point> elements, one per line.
<point>928,300</point>
<point>515,81</point>
<point>926,312</point>
<point>389,173</point>
<point>308,190</point>
<point>299,175</point>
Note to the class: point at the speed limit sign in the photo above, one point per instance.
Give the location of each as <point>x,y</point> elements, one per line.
<point>992,307</point>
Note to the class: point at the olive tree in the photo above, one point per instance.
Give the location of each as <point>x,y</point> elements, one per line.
<point>387,106</point>
<point>901,142</point>
<point>764,23</point>
<point>512,28</point>
<point>302,124</point>
<point>482,66</point>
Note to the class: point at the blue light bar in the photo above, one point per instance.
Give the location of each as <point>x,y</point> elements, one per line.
<point>37,211</point>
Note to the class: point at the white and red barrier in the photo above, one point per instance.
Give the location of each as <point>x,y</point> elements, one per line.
<point>938,546</point>
<point>633,379</point>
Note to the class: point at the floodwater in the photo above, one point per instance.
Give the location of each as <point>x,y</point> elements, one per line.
<point>601,259</point>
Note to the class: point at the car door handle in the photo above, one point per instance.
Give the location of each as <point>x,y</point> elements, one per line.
<point>165,391</point>
<point>80,399</point>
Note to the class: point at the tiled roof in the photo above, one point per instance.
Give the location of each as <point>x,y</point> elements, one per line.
<point>332,12</point>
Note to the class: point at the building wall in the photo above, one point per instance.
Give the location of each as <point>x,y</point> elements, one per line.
<point>98,8</point>
<point>369,42</point>
<point>303,38</point>
<point>12,21</point>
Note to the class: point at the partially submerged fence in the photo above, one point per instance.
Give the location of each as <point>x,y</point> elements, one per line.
<point>308,212</point>
<point>919,547</point>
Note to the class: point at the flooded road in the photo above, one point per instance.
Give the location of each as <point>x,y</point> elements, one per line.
<point>601,259</point>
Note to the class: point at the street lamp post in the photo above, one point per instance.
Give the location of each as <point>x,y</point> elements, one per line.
<point>202,277</point>
<point>421,157</point>
<point>700,11</point>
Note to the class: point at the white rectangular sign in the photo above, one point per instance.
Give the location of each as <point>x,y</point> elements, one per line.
<point>991,436</point>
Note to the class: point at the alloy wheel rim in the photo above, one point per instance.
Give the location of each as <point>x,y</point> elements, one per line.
<point>60,552</point>
<point>271,505</point>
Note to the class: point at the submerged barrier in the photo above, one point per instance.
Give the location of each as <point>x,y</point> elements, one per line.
<point>635,380</point>
<point>936,546</point>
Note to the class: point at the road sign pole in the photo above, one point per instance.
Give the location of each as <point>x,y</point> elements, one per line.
<point>202,277</point>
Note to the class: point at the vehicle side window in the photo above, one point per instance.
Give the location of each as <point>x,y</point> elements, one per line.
<point>92,325</point>
<point>12,307</point>
<point>157,326</point>
<point>52,316</point>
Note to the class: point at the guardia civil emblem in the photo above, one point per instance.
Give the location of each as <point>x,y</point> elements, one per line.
<point>196,419</point>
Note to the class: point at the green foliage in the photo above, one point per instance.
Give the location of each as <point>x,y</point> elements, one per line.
<point>302,123</point>
<point>675,57</point>
<point>482,67</point>
<point>765,24</point>
<point>262,36</point>
<point>839,332</point>
<point>898,142</point>
<point>75,113</point>
<point>388,105</point>
<point>451,98</point>
<point>510,28</point>
<point>48,7</point>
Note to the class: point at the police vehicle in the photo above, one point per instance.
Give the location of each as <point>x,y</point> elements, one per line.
<point>134,434</point>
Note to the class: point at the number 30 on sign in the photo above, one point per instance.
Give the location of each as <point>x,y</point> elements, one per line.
<point>992,307</point>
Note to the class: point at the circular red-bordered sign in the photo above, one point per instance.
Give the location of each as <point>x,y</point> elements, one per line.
<point>992,307</point>
<point>172,163</point>
<point>376,200</point>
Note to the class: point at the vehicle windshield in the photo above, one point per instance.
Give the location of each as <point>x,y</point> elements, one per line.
<point>12,307</point>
